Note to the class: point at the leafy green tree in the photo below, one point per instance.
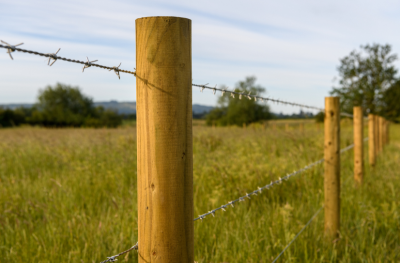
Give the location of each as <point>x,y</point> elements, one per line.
<point>391,102</point>
<point>235,111</point>
<point>66,106</point>
<point>364,77</point>
<point>11,118</point>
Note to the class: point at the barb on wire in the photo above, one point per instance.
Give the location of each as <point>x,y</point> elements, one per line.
<point>259,190</point>
<point>268,186</point>
<point>114,258</point>
<point>298,234</point>
<point>88,64</point>
<point>116,70</point>
<point>11,48</point>
<point>53,56</point>
<point>255,97</point>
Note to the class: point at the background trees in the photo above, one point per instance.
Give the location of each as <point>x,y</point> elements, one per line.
<point>61,106</point>
<point>232,111</point>
<point>368,78</point>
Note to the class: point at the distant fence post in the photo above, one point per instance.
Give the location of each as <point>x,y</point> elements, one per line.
<point>376,135</point>
<point>384,125</point>
<point>332,167</point>
<point>381,132</point>
<point>387,132</point>
<point>358,122</point>
<point>164,139</point>
<point>371,139</point>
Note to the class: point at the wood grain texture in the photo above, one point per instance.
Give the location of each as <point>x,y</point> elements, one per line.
<point>371,140</point>
<point>164,142</point>
<point>332,167</point>
<point>358,122</point>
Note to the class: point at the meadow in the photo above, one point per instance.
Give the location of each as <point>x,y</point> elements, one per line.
<point>69,195</point>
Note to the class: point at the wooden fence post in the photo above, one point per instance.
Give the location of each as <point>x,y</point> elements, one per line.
<point>376,117</point>
<point>332,167</point>
<point>358,144</point>
<point>384,132</point>
<point>164,139</point>
<point>380,128</point>
<point>371,140</point>
<point>388,132</point>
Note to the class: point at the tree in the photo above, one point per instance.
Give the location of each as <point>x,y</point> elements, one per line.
<point>391,102</point>
<point>235,111</point>
<point>66,106</point>
<point>364,77</point>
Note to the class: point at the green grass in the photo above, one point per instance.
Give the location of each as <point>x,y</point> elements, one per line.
<point>69,195</point>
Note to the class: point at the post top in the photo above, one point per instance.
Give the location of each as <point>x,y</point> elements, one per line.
<point>163,17</point>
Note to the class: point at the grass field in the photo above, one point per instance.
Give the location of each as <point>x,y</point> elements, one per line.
<point>69,195</point>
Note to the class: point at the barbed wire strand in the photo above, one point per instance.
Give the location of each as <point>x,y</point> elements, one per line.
<point>114,258</point>
<point>117,70</point>
<point>298,234</point>
<point>268,186</point>
<point>54,57</point>
<point>255,97</point>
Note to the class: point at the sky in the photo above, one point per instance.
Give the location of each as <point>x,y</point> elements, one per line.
<point>292,47</point>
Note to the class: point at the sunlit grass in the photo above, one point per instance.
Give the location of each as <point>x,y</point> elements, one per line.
<point>69,195</point>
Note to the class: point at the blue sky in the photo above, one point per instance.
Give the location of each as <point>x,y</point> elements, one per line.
<point>292,47</point>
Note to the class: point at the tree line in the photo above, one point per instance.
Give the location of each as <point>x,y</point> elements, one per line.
<point>367,77</point>
<point>61,106</point>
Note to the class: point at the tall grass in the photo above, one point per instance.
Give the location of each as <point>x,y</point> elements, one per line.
<point>69,195</point>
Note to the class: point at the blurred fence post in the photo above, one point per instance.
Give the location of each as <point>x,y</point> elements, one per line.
<point>380,128</point>
<point>358,120</point>
<point>164,139</point>
<point>332,167</point>
<point>301,127</point>
<point>371,139</point>
<point>376,123</point>
<point>388,132</point>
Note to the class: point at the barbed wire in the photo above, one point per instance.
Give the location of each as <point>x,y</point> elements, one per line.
<point>268,186</point>
<point>346,115</point>
<point>298,234</point>
<point>114,258</point>
<point>55,57</point>
<point>255,97</point>
<point>259,190</point>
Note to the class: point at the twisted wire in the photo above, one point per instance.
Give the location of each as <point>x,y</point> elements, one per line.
<point>48,55</point>
<point>255,97</point>
<point>298,234</point>
<point>259,190</point>
<point>114,258</point>
<point>268,186</point>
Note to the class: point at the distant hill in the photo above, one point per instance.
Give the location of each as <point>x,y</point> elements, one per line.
<point>121,107</point>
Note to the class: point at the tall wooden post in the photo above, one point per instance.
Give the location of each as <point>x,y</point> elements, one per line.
<point>376,135</point>
<point>371,139</point>
<point>387,132</point>
<point>332,167</point>
<point>358,121</point>
<point>384,132</point>
<point>381,132</point>
<point>164,139</point>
